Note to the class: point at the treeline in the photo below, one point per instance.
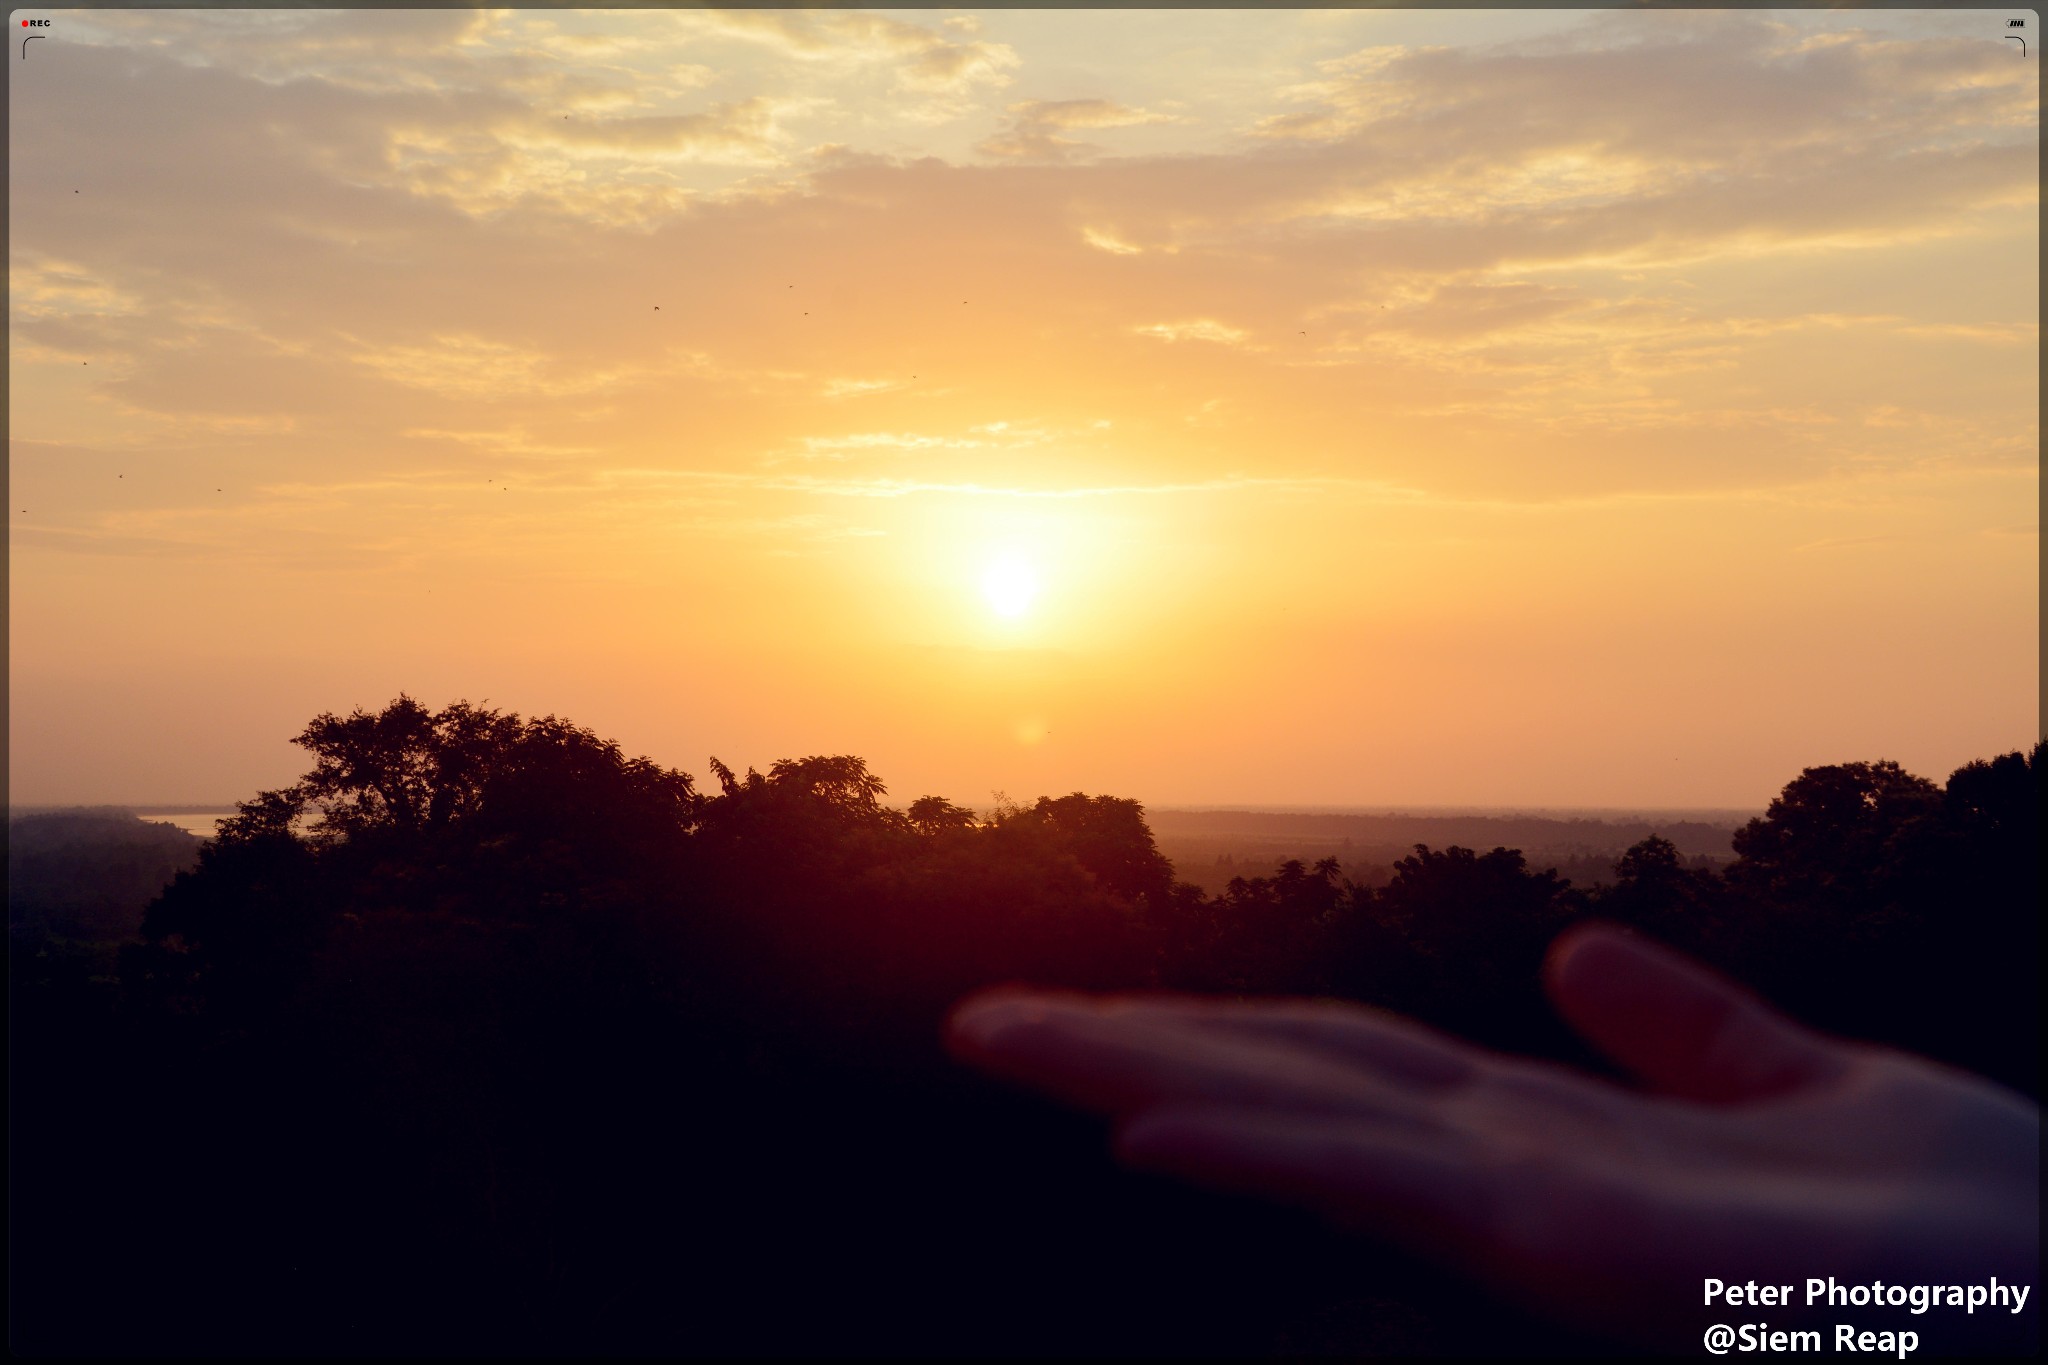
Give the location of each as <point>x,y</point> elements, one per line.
<point>87,874</point>
<point>486,1036</point>
<point>1694,838</point>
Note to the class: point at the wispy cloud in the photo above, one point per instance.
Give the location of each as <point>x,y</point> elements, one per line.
<point>1558,321</point>
<point>922,59</point>
<point>1036,128</point>
<point>1197,329</point>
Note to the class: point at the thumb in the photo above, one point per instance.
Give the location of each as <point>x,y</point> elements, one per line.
<point>1679,1027</point>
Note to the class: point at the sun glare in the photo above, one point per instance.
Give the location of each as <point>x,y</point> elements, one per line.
<point>1010,585</point>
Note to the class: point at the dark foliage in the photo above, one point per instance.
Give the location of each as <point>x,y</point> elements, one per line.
<point>486,1037</point>
<point>89,874</point>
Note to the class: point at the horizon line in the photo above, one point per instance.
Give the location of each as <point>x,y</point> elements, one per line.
<point>1498,810</point>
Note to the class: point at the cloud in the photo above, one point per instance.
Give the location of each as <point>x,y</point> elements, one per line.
<point>922,60</point>
<point>477,368</point>
<point>366,261</point>
<point>1704,135</point>
<point>743,132</point>
<point>1200,329</point>
<point>1110,242</point>
<point>1705,89</point>
<point>1985,333</point>
<point>1378,490</point>
<point>514,441</point>
<point>487,113</point>
<point>1035,128</point>
<point>858,388</point>
<point>1846,543</point>
<point>999,435</point>
<point>42,287</point>
<point>839,447</point>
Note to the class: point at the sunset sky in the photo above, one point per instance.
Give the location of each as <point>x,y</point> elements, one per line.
<point>1333,407</point>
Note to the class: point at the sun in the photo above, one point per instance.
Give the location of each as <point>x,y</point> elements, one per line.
<point>1011,585</point>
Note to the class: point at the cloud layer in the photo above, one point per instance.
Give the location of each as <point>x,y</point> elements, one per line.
<point>1384,312</point>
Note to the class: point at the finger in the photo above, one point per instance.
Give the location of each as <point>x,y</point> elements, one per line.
<point>1570,1238</point>
<point>1681,1028</point>
<point>1114,1060</point>
<point>1433,1192</point>
<point>1397,1050</point>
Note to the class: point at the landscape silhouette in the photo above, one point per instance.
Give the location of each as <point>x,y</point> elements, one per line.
<point>485,1036</point>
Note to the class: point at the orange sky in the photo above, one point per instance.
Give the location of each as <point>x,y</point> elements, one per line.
<point>1354,407</point>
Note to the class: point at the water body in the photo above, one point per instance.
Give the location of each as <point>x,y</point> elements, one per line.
<point>204,823</point>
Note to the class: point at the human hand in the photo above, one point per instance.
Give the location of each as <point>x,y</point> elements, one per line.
<point>1757,1149</point>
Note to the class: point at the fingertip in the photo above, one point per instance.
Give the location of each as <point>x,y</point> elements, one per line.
<point>1621,991</point>
<point>1676,1023</point>
<point>974,1019</point>
<point>975,1026</point>
<point>1585,955</point>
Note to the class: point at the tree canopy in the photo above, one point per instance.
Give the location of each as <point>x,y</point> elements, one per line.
<point>483,1006</point>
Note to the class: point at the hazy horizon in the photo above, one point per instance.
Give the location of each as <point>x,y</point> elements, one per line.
<point>148,809</point>
<point>1370,410</point>
<point>1182,832</point>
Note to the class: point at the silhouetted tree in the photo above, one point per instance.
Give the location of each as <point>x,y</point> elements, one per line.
<point>1830,840</point>
<point>465,812</point>
<point>1477,926</point>
<point>1109,836</point>
<point>931,815</point>
<point>1280,934</point>
<point>1875,903</point>
<point>1655,890</point>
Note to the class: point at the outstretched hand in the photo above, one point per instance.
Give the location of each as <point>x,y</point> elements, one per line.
<point>1755,1149</point>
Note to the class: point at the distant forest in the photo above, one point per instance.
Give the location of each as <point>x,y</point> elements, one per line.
<point>1210,847</point>
<point>486,1037</point>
